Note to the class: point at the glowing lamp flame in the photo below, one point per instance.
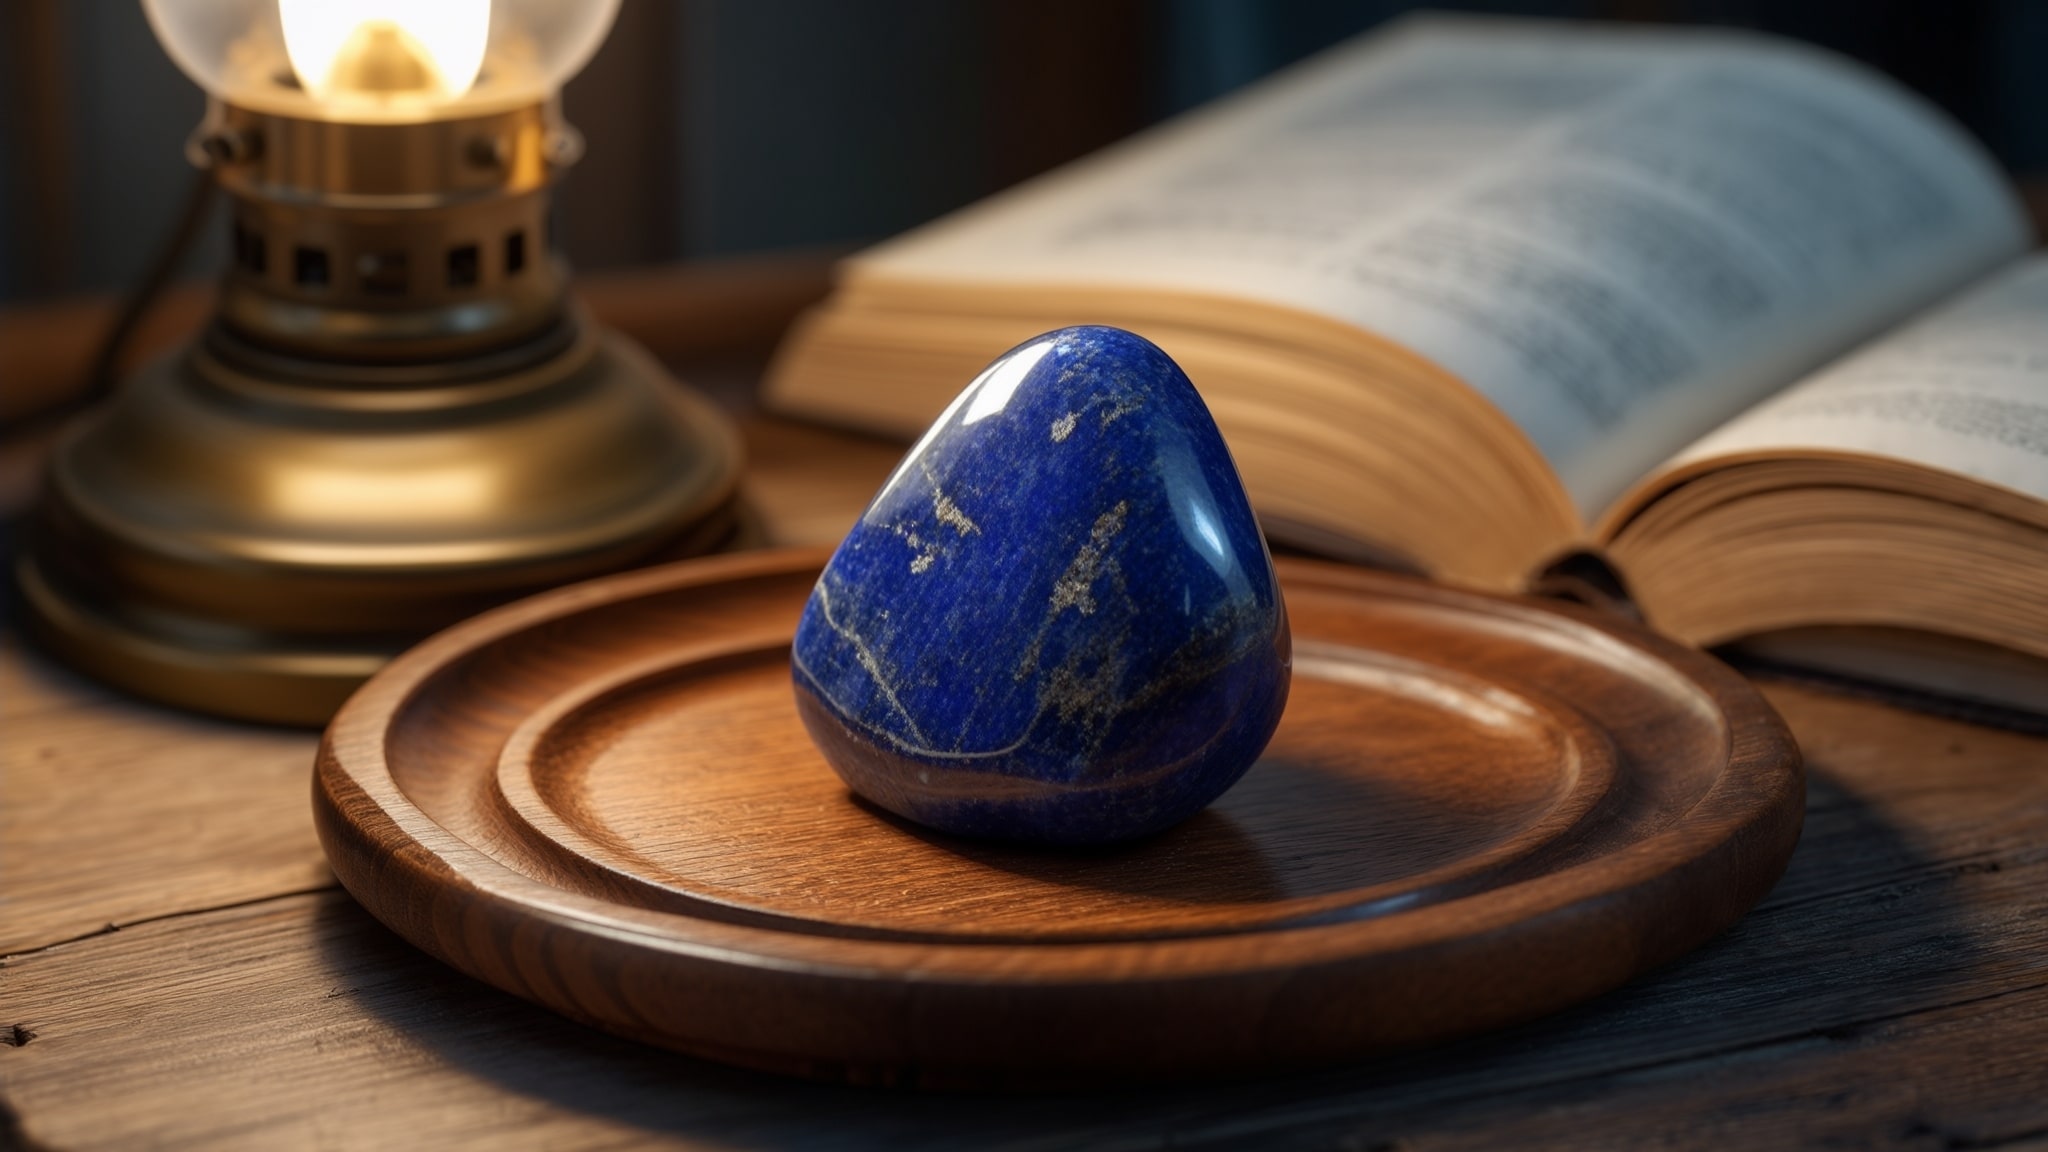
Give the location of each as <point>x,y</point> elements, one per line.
<point>430,48</point>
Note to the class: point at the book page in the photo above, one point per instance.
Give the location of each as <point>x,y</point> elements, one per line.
<point>1621,237</point>
<point>1964,390</point>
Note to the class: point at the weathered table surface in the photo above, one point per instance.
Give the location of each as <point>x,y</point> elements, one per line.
<point>181,970</point>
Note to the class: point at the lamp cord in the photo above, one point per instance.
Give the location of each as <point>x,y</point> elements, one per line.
<point>101,379</point>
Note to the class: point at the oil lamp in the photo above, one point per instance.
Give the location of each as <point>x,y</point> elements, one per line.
<point>397,415</point>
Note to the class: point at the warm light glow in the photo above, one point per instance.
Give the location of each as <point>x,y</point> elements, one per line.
<point>386,48</point>
<point>450,495</point>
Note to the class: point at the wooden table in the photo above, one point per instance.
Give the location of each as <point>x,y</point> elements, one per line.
<point>181,970</point>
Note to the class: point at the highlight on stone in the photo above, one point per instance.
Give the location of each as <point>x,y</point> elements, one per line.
<point>1057,621</point>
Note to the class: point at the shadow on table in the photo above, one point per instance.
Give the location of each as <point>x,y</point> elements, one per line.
<point>1861,928</point>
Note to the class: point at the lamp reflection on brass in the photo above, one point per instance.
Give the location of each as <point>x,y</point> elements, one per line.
<point>397,417</point>
<point>453,496</point>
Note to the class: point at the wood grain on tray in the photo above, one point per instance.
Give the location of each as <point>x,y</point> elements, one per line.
<point>1475,811</point>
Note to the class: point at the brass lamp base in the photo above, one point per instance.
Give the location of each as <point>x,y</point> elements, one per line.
<point>236,536</point>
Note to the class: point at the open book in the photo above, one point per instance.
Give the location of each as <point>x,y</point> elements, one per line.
<point>1474,296</point>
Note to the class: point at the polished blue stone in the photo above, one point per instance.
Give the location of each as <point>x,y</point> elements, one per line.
<point>1057,621</point>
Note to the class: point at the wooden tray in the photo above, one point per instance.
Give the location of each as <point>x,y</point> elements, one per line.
<point>1476,811</point>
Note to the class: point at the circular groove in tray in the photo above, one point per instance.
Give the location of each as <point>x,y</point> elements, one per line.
<point>543,781</point>
<point>1475,811</point>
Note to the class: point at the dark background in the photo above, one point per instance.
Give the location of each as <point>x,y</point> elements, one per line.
<point>727,126</point>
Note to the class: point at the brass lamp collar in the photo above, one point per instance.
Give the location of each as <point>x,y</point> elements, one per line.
<point>388,166</point>
<point>390,243</point>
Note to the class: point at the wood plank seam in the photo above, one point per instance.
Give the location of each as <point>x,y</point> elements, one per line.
<point>1908,880</point>
<point>1354,1112</point>
<point>1841,1032</point>
<point>1838,1032</point>
<point>112,928</point>
<point>1537,1086</point>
